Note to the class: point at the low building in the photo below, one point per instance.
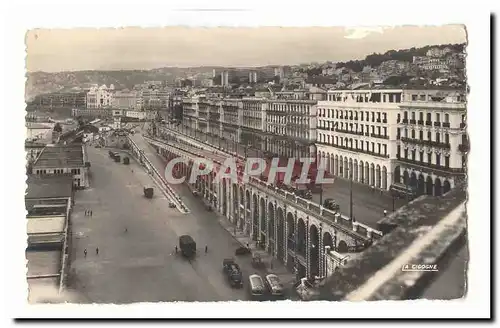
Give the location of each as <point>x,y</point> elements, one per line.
<point>49,201</point>
<point>64,159</point>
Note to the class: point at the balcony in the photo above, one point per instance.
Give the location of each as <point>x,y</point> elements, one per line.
<point>384,120</point>
<point>379,120</point>
<point>429,123</point>
<point>438,124</point>
<point>419,165</point>
<point>355,118</point>
<point>367,134</point>
<point>462,125</point>
<point>446,125</point>
<point>420,122</point>
<point>350,117</point>
<point>380,136</point>
<point>463,147</point>
<point>413,122</point>
<point>405,121</point>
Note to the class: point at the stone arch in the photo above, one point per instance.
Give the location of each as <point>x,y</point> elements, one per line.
<point>262,225</point>
<point>301,237</point>
<point>355,171</point>
<point>350,174</point>
<point>421,184</point>
<point>384,177</point>
<point>270,228</point>
<point>438,190</point>
<point>281,235</point>
<point>372,174</point>
<point>328,240</point>
<point>331,169</point>
<point>361,172</point>
<point>446,186</point>
<point>406,178</point>
<point>367,173</point>
<point>314,251</point>
<point>242,196</point>
<point>342,247</point>
<point>336,165</point>
<point>378,177</point>
<point>429,186</point>
<point>255,229</point>
<point>248,199</point>
<point>397,174</point>
<point>341,166</point>
<point>224,197</point>
<point>413,179</point>
<point>235,202</point>
<point>346,168</point>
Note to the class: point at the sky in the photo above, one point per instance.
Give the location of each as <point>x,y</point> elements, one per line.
<point>54,50</point>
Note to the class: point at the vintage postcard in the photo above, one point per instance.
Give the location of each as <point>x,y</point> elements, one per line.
<point>246,164</point>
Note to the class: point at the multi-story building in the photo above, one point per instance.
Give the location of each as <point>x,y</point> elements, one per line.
<point>190,112</point>
<point>252,125</point>
<point>154,98</point>
<point>432,142</point>
<point>291,127</point>
<point>224,78</point>
<point>374,137</point>
<point>252,77</point>
<point>230,118</point>
<point>61,160</point>
<point>129,100</point>
<point>59,99</point>
<point>100,97</point>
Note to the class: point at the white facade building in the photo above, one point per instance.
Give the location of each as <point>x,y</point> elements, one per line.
<point>100,97</point>
<point>364,135</point>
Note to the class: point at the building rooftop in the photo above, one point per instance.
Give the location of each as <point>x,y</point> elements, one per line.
<point>46,225</point>
<point>412,222</point>
<point>60,156</point>
<point>49,186</point>
<point>43,262</point>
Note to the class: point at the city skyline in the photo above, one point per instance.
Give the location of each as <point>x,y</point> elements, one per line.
<point>144,49</point>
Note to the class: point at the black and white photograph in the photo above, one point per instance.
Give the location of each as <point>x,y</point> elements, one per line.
<point>193,165</point>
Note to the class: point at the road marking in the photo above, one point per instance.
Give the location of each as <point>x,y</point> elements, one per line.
<point>387,272</point>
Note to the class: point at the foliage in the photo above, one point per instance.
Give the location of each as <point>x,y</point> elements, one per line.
<point>58,128</point>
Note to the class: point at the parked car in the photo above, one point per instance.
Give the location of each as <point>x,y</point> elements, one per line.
<point>187,246</point>
<point>257,288</point>
<point>233,272</point>
<point>171,205</point>
<point>274,285</point>
<point>331,204</point>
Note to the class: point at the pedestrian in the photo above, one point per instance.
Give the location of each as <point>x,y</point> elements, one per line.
<point>248,245</point>
<point>175,249</point>
<point>85,212</point>
<point>206,249</point>
<point>90,213</point>
<point>97,250</point>
<point>126,229</point>
<point>385,212</point>
<point>85,252</point>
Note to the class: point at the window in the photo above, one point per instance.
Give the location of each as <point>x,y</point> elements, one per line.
<point>405,115</point>
<point>421,116</point>
<point>421,155</point>
<point>437,117</point>
<point>385,149</point>
<point>447,161</point>
<point>446,138</point>
<point>413,134</point>
<point>385,132</point>
<point>429,158</point>
<point>413,155</point>
<point>438,137</point>
<point>399,133</point>
<point>373,147</point>
<point>378,148</point>
<point>412,115</point>
<point>367,145</point>
<point>373,117</point>
<point>429,117</point>
<point>406,153</point>
<point>398,151</point>
<point>361,116</point>
<point>421,135</point>
<point>447,118</point>
<point>399,118</point>
<point>373,129</point>
<point>406,133</point>
<point>429,135</point>
<point>356,144</point>
<point>438,160</point>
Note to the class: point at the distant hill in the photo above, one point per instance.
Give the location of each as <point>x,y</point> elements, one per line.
<point>375,59</point>
<point>43,82</point>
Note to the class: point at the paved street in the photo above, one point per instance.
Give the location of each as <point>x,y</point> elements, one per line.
<point>141,265</point>
<point>368,205</point>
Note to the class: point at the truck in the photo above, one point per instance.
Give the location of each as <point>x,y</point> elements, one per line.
<point>187,246</point>
<point>148,192</point>
<point>232,272</point>
<point>117,158</point>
